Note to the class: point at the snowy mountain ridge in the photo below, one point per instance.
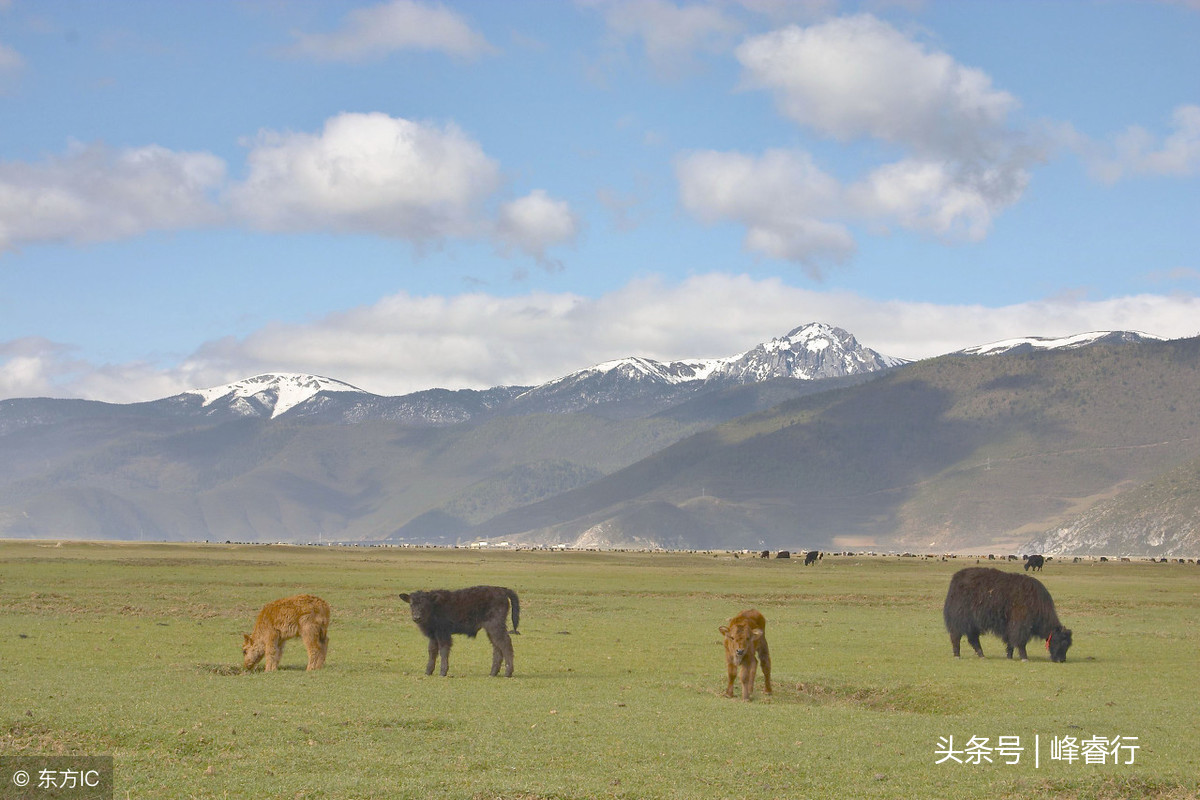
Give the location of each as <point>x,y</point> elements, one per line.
<point>278,392</point>
<point>1032,343</point>
<point>810,352</point>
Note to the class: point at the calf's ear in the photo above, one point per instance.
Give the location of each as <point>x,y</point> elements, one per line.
<point>756,634</point>
<point>724,631</point>
<point>405,597</point>
<point>246,638</point>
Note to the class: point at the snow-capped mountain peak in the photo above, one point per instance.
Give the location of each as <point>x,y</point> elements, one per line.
<point>273,392</point>
<point>810,352</point>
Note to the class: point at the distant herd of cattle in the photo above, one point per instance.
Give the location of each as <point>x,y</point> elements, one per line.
<point>1014,606</point>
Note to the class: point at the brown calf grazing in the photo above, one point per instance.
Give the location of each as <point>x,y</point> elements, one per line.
<point>443,612</point>
<point>304,615</point>
<point>746,647</point>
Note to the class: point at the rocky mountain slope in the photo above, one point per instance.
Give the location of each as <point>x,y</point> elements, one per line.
<point>959,453</point>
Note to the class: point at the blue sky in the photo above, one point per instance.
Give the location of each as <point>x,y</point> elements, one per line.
<point>404,194</point>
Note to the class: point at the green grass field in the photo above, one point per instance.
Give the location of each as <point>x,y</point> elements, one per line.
<point>134,650</point>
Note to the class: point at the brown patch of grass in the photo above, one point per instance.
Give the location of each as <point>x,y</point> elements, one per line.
<point>27,737</point>
<point>221,669</point>
<point>1134,788</point>
<point>905,698</point>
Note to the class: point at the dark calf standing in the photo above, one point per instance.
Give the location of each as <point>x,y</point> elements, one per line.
<point>1035,563</point>
<point>443,612</point>
<point>1011,605</point>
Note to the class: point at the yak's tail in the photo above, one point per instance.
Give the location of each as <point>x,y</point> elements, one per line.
<point>516,610</point>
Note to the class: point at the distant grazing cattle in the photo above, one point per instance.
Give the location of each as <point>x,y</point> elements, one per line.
<point>811,557</point>
<point>304,615</point>
<point>765,554</point>
<point>783,554</point>
<point>745,648</point>
<point>1013,606</point>
<point>443,612</point>
<point>1034,563</point>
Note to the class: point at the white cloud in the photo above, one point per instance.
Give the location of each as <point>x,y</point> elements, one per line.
<point>1137,151</point>
<point>937,197</point>
<point>368,173</point>
<point>536,222</point>
<point>407,343</point>
<point>671,34</point>
<point>362,173</point>
<point>95,193</point>
<point>858,76</point>
<point>854,78</point>
<point>778,197</point>
<point>376,31</point>
<point>32,367</point>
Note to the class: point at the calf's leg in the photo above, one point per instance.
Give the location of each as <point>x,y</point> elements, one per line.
<point>444,651</point>
<point>731,671</point>
<point>747,672</point>
<point>274,654</point>
<point>433,654</point>
<point>502,650</point>
<point>764,659</point>
<point>316,643</point>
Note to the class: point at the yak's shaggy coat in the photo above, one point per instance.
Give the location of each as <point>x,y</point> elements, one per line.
<point>304,615</point>
<point>1011,605</point>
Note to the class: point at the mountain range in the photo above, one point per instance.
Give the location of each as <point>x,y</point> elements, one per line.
<point>808,440</point>
<point>624,388</point>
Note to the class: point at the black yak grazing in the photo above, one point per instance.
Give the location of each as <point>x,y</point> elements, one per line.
<point>443,612</point>
<point>1011,605</point>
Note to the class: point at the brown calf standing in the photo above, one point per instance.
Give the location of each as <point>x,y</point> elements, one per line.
<point>745,647</point>
<point>304,615</point>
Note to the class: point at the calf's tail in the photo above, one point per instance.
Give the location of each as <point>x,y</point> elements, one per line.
<point>516,610</point>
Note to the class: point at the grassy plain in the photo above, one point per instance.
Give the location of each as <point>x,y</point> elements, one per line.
<point>133,650</point>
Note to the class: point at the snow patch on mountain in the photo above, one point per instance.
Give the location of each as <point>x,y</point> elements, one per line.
<point>1032,343</point>
<point>273,392</point>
